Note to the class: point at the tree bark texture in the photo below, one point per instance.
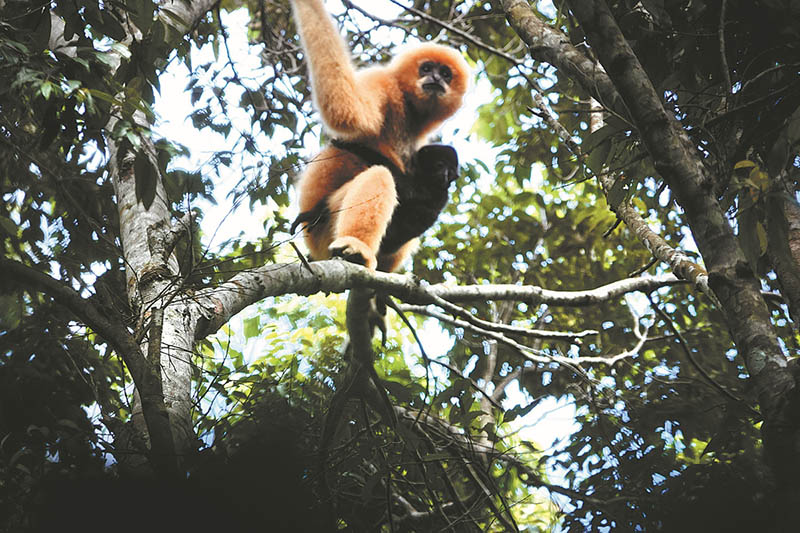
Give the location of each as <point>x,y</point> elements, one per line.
<point>162,401</point>
<point>783,234</point>
<point>217,305</point>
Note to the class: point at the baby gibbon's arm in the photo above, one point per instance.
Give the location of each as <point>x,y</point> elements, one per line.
<point>347,106</point>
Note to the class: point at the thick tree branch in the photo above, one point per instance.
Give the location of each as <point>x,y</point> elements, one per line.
<point>163,400</point>
<point>679,164</point>
<point>783,235</point>
<point>217,305</point>
<point>552,46</point>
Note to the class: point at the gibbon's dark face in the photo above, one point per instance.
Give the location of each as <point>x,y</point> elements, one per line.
<point>435,77</point>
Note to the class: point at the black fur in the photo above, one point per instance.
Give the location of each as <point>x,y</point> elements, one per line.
<point>368,155</point>
<point>318,215</point>
<point>421,192</point>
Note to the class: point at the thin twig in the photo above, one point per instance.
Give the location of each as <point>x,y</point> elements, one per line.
<point>723,56</point>
<point>507,329</point>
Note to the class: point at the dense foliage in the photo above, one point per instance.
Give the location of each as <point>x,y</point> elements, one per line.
<point>669,427</point>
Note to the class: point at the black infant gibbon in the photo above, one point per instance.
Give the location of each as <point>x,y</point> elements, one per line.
<point>375,188</point>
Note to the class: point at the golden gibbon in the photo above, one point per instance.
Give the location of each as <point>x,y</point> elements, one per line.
<point>376,186</point>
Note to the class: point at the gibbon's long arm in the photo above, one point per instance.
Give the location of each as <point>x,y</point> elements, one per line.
<point>349,106</point>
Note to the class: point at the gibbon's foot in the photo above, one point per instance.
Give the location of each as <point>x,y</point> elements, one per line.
<point>353,250</point>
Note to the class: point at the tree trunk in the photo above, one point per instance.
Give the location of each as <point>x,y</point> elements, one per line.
<point>619,82</point>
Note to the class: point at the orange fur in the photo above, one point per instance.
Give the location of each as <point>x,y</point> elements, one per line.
<point>383,107</point>
<point>391,262</point>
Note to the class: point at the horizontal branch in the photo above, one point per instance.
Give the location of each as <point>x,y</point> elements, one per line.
<point>219,304</point>
<point>536,295</point>
<point>505,328</point>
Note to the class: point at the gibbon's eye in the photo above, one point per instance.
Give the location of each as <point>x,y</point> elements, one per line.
<point>446,73</point>
<point>426,68</point>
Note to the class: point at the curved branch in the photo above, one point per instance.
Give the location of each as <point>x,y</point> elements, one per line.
<point>217,305</point>
<point>114,332</point>
<point>505,328</point>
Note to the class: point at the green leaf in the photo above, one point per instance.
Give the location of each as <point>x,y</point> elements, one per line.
<point>252,327</point>
<point>111,26</point>
<point>761,234</point>
<point>105,97</point>
<point>144,14</point>
<point>11,309</point>
<point>467,418</point>
<point>45,90</point>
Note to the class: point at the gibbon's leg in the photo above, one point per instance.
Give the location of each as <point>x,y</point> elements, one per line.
<point>391,262</point>
<point>362,209</point>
